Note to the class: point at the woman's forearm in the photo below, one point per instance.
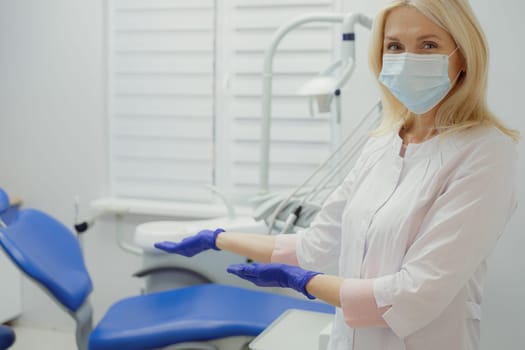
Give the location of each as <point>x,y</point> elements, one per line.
<point>354,296</point>
<point>326,288</point>
<point>254,246</point>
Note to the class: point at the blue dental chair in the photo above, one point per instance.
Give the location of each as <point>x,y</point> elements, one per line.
<point>186,318</point>
<point>7,337</point>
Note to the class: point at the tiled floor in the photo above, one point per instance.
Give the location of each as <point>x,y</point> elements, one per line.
<point>42,339</point>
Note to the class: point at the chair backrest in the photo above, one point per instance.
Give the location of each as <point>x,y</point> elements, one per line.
<point>49,253</point>
<point>4,201</point>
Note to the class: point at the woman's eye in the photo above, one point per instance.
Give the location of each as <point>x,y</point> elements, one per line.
<point>429,45</point>
<point>393,47</point>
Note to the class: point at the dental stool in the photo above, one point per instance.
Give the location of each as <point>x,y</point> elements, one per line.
<point>195,317</point>
<point>7,337</point>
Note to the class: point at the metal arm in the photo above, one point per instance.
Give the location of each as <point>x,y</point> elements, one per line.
<point>347,50</point>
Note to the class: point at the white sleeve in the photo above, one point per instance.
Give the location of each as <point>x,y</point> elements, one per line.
<point>458,233</point>
<point>318,246</point>
<point>284,249</point>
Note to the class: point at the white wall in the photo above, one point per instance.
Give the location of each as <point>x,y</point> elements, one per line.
<point>504,305</point>
<point>53,140</point>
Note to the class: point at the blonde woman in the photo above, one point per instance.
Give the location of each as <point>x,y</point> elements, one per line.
<point>410,229</point>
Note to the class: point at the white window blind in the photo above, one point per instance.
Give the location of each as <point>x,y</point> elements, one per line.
<point>185,96</point>
<point>298,141</point>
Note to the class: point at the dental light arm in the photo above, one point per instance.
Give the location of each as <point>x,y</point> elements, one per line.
<point>347,65</point>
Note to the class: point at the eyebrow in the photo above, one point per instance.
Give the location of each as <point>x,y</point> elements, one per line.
<point>419,38</point>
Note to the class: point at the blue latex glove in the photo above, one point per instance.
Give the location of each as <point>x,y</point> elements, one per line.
<point>275,275</point>
<point>192,245</point>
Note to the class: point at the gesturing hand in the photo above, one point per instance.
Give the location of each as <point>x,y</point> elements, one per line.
<point>192,245</point>
<point>275,275</point>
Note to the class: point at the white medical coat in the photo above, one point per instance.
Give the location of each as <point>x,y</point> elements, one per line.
<point>422,226</point>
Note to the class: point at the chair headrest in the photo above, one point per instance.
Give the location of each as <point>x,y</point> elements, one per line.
<point>49,253</point>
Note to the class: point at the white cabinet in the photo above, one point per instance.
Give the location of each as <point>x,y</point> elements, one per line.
<point>10,276</point>
<point>10,289</point>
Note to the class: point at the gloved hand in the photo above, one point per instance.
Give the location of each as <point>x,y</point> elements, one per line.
<point>192,245</point>
<point>275,275</point>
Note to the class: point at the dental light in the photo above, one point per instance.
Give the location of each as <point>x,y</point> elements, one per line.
<point>323,88</point>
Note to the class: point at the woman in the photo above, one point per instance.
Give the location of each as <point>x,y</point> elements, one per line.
<point>409,230</point>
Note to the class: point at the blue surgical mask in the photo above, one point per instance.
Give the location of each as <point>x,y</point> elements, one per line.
<point>418,81</point>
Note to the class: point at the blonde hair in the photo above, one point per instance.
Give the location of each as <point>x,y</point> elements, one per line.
<point>466,106</point>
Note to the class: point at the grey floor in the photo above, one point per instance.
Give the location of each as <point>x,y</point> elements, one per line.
<point>43,339</point>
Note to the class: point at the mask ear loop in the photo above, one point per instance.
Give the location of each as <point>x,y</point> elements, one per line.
<point>453,52</point>
<point>461,69</point>
<point>457,77</point>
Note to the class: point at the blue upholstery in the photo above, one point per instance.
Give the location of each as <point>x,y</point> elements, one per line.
<point>201,312</point>
<point>7,337</point>
<point>4,201</point>
<point>9,215</point>
<point>49,253</point>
